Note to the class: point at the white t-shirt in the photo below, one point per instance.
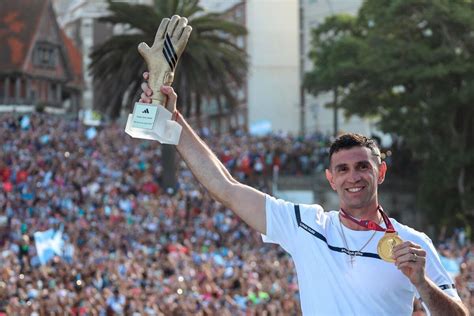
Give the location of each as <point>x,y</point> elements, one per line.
<point>329,284</point>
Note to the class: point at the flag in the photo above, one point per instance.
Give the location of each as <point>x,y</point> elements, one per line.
<point>48,244</point>
<point>25,122</point>
<point>91,133</point>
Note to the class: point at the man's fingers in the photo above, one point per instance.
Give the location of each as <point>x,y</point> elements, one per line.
<point>402,245</point>
<point>411,250</point>
<point>409,257</point>
<point>144,98</point>
<point>405,245</point>
<point>410,261</point>
<point>171,97</point>
<point>407,253</point>
<point>169,92</point>
<point>413,255</point>
<point>146,89</point>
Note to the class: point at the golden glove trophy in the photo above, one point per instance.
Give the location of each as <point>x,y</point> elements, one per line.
<point>153,121</point>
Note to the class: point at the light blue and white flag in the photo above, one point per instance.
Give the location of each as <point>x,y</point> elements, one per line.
<point>48,244</point>
<point>91,133</point>
<point>25,122</point>
<point>260,128</point>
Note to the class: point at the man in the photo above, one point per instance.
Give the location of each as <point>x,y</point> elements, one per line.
<point>339,270</point>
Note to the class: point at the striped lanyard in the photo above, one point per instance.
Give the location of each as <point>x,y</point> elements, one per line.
<point>371,225</point>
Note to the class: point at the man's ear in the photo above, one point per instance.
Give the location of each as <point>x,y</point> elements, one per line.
<point>382,172</point>
<point>330,179</point>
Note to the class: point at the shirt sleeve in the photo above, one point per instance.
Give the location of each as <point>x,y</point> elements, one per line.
<point>281,223</point>
<point>435,270</point>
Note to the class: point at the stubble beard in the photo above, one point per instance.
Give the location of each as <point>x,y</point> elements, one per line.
<point>361,203</point>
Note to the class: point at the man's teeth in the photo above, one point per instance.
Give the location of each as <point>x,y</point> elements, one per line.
<point>354,189</point>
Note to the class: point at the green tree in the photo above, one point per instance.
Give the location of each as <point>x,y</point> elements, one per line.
<point>333,67</point>
<point>212,65</point>
<point>414,71</point>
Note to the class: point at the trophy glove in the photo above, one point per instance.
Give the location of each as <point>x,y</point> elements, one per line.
<point>162,57</point>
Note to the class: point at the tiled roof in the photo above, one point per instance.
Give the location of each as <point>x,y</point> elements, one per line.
<point>19,21</point>
<point>18,24</point>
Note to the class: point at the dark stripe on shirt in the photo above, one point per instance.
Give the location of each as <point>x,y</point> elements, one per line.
<point>447,286</point>
<point>321,237</point>
<point>344,250</point>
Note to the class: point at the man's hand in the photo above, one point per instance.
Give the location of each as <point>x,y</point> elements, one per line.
<point>170,95</point>
<point>145,97</point>
<point>410,258</point>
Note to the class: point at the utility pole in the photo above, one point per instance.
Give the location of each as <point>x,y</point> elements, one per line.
<point>302,71</point>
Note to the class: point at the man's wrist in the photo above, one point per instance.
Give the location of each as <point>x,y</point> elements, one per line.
<point>175,115</point>
<point>422,284</point>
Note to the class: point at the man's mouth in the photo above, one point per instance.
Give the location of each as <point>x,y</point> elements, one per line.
<point>354,190</point>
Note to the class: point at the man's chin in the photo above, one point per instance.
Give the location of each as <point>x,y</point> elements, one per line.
<point>356,205</point>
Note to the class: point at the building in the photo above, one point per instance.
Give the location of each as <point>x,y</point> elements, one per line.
<point>314,114</point>
<point>278,44</point>
<point>220,118</point>
<point>272,90</point>
<point>80,21</point>
<point>39,65</point>
<point>274,75</point>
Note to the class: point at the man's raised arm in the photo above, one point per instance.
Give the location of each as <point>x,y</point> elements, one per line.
<point>247,202</point>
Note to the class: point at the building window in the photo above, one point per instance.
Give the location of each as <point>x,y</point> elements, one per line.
<point>11,86</point>
<point>45,55</point>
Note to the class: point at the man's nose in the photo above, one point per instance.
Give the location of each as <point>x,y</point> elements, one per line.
<point>354,176</point>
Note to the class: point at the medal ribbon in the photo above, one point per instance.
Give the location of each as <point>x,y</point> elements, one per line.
<point>371,225</point>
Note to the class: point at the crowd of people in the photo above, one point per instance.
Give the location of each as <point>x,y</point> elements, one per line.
<point>132,247</point>
<point>457,256</point>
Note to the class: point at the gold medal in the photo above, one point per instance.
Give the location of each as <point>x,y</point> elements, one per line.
<point>386,244</point>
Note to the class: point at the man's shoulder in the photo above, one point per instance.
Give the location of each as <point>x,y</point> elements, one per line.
<point>289,204</point>
<point>314,214</point>
<point>310,208</point>
<point>307,212</point>
<point>409,233</point>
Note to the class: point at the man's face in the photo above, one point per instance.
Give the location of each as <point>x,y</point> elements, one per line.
<point>355,174</point>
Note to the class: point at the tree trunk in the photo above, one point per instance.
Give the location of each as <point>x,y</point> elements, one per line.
<point>198,114</point>
<point>220,116</point>
<point>336,110</point>
<point>169,175</point>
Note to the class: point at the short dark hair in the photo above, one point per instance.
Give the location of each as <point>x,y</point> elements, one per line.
<point>350,140</point>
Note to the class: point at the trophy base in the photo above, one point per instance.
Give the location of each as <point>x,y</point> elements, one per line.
<point>153,122</point>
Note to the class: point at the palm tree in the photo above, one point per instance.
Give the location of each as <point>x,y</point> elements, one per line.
<point>212,65</point>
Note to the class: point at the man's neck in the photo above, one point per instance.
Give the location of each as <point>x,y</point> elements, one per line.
<point>370,213</point>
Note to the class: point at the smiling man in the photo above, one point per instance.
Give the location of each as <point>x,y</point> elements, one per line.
<point>339,255</point>
<point>354,261</point>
